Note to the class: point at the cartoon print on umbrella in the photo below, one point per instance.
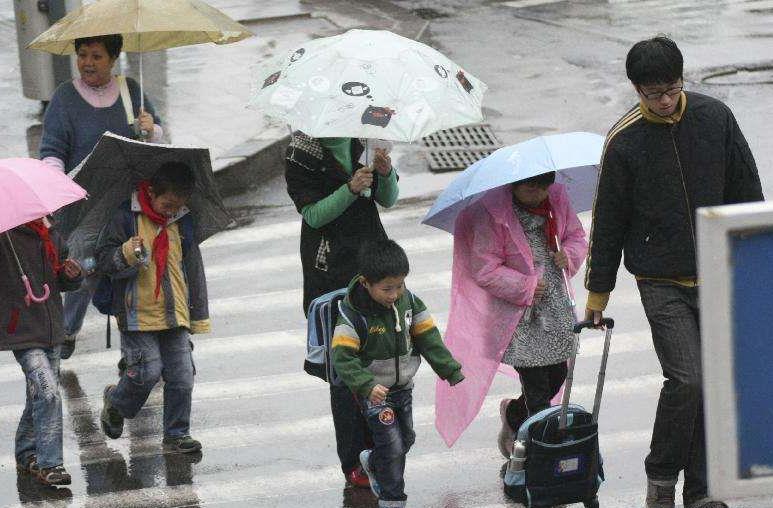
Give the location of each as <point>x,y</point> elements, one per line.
<point>272,79</point>
<point>297,55</point>
<point>355,88</point>
<point>378,116</point>
<point>441,71</point>
<point>464,81</point>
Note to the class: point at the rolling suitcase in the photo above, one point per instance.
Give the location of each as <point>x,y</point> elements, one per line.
<point>556,458</point>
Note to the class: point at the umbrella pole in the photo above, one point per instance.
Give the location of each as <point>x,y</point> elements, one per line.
<point>566,279</point>
<point>144,135</point>
<point>142,89</point>
<point>29,296</point>
<point>10,244</point>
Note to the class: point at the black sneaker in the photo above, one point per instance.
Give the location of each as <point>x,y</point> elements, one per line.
<point>183,444</point>
<point>56,475</point>
<point>68,347</point>
<point>110,419</point>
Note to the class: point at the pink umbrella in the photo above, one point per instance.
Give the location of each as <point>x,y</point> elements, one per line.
<point>31,189</point>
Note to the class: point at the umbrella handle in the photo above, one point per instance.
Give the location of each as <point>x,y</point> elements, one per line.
<point>30,296</point>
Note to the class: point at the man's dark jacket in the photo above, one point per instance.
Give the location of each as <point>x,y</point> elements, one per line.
<point>653,177</point>
<point>39,324</point>
<point>328,254</point>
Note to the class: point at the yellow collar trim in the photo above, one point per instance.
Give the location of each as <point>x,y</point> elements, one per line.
<point>676,117</point>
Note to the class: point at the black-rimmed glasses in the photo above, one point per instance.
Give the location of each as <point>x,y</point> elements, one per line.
<point>653,96</point>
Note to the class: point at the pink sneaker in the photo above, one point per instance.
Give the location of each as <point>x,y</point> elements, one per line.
<point>506,433</point>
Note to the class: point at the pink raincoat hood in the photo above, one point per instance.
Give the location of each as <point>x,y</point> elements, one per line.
<point>493,281</point>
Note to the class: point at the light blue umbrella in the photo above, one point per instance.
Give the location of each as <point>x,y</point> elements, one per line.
<point>575,156</point>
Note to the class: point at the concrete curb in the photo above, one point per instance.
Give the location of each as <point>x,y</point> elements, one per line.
<point>250,164</point>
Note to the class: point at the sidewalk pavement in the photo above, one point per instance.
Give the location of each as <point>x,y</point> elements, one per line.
<point>201,91</point>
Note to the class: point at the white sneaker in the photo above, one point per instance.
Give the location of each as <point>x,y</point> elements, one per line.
<point>365,462</point>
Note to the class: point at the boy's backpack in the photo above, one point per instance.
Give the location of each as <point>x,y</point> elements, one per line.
<point>323,314</point>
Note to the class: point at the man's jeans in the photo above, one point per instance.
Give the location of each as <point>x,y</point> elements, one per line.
<point>350,427</point>
<point>678,440</point>
<point>391,424</point>
<point>40,428</point>
<point>149,356</point>
<point>76,303</point>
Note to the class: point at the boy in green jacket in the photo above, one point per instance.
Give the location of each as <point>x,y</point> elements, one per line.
<point>380,366</point>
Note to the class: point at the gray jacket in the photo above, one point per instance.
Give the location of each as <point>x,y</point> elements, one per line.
<point>39,324</point>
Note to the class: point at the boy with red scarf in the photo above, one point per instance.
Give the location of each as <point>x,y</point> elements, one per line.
<point>34,331</point>
<point>159,299</point>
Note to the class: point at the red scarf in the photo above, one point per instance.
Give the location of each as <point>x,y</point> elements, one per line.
<point>161,242</point>
<point>551,229</point>
<point>51,252</point>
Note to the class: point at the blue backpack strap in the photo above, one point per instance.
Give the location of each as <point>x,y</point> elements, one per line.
<point>187,233</point>
<point>356,319</point>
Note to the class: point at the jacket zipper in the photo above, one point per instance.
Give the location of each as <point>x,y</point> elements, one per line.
<point>44,259</point>
<point>684,187</point>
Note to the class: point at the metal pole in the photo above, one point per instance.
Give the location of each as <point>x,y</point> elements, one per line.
<point>568,385</point>
<point>602,375</point>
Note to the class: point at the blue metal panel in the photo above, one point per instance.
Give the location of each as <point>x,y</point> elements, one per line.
<point>752,311</point>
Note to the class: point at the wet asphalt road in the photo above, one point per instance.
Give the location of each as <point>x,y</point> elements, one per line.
<point>265,424</point>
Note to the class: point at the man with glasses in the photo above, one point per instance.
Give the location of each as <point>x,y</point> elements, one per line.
<point>672,153</point>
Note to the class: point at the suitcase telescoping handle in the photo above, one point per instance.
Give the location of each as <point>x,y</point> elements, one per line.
<point>608,324</point>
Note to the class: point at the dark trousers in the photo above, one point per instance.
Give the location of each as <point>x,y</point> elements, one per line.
<point>678,440</point>
<point>391,424</point>
<point>350,427</point>
<point>538,386</point>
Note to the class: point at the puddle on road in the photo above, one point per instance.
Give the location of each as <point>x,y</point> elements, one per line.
<point>762,75</point>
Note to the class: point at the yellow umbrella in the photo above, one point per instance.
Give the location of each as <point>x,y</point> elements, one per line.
<point>146,25</point>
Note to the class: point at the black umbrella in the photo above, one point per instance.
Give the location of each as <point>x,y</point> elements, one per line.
<point>110,174</point>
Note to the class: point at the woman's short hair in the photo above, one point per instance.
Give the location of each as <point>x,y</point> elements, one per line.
<point>112,43</point>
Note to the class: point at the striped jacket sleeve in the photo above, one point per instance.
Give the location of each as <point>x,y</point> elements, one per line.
<point>611,214</point>
<point>346,360</point>
<point>426,337</point>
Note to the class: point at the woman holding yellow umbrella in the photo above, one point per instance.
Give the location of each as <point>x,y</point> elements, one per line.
<point>95,103</point>
<point>79,113</point>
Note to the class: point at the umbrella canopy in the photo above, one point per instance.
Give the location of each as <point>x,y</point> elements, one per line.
<point>32,189</point>
<point>111,173</point>
<point>574,155</point>
<point>368,84</point>
<point>146,25</point>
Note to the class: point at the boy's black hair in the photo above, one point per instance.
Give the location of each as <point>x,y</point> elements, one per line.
<point>113,43</point>
<point>380,259</point>
<point>655,61</point>
<point>544,180</point>
<point>174,177</point>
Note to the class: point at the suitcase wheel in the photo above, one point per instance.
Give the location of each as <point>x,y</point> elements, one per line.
<point>593,503</point>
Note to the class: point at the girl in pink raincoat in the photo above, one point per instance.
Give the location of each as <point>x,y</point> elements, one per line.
<point>509,305</point>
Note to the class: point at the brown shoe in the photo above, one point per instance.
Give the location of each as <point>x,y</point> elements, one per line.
<point>28,466</point>
<point>56,475</point>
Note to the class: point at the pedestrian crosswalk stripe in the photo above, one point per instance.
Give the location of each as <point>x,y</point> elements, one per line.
<point>289,430</point>
<point>216,270</point>
<point>296,340</point>
<point>292,229</point>
<point>272,481</point>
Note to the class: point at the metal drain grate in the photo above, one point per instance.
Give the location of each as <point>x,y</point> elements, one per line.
<point>458,148</point>
<point>454,160</point>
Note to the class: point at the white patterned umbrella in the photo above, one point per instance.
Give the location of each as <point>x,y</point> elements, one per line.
<point>368,84</point>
